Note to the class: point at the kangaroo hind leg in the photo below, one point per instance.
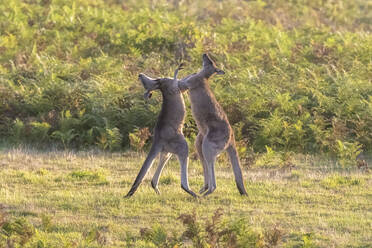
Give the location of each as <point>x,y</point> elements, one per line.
<point>210,154</point>
<point>154,151</point>
<point>164,157</point>
<point>199,150</point>
<point>182,154</point>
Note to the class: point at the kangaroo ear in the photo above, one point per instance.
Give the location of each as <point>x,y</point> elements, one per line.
<point>207,60</point>
<point>149,83</point>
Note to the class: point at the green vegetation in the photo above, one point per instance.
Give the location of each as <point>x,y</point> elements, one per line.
<point>298,72</point>
<point>298,81</point>
<point>76,199</point>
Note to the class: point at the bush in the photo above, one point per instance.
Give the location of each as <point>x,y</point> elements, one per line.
<point>15,232</point>
<point>274,159</point>
<point>138,138</point>
<point>211,233</point>
<point>347,153</point>
<point>39,131</point>
<point>298,72</point>
<point>18,131</point>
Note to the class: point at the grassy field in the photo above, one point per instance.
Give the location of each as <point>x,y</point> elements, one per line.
<point>298,81</point>
<point>75,199</point>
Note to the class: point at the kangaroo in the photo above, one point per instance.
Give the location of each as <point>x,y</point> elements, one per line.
<point>168,138</point>
<point>215,133</point>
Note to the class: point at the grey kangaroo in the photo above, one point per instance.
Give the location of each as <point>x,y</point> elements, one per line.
<point>215,133</point>
<point>168,138</point>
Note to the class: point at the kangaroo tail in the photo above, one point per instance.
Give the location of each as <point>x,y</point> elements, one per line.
<point>234,158</point>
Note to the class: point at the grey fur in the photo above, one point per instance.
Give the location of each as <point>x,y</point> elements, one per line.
<point>215,133</point>
<point>168,137</point>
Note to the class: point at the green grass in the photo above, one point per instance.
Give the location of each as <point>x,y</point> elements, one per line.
<point>298,81</point>
<point>76,199</point>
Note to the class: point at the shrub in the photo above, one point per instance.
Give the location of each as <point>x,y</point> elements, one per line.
<point>15,232</point>
<point>110,138</point>
<point>18,131</point>
<point>298,76</point>
<point>347,153</point>
<point>39,131</point>
<point>215,232</point>
<point>274,159</point>
<point>138,138</point>
<point>65,137</point>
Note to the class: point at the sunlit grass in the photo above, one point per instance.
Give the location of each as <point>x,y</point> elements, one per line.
<point>84,191</point>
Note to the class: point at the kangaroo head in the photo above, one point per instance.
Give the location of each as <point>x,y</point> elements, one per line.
<point>209,67</point>
<point>167,86</point>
